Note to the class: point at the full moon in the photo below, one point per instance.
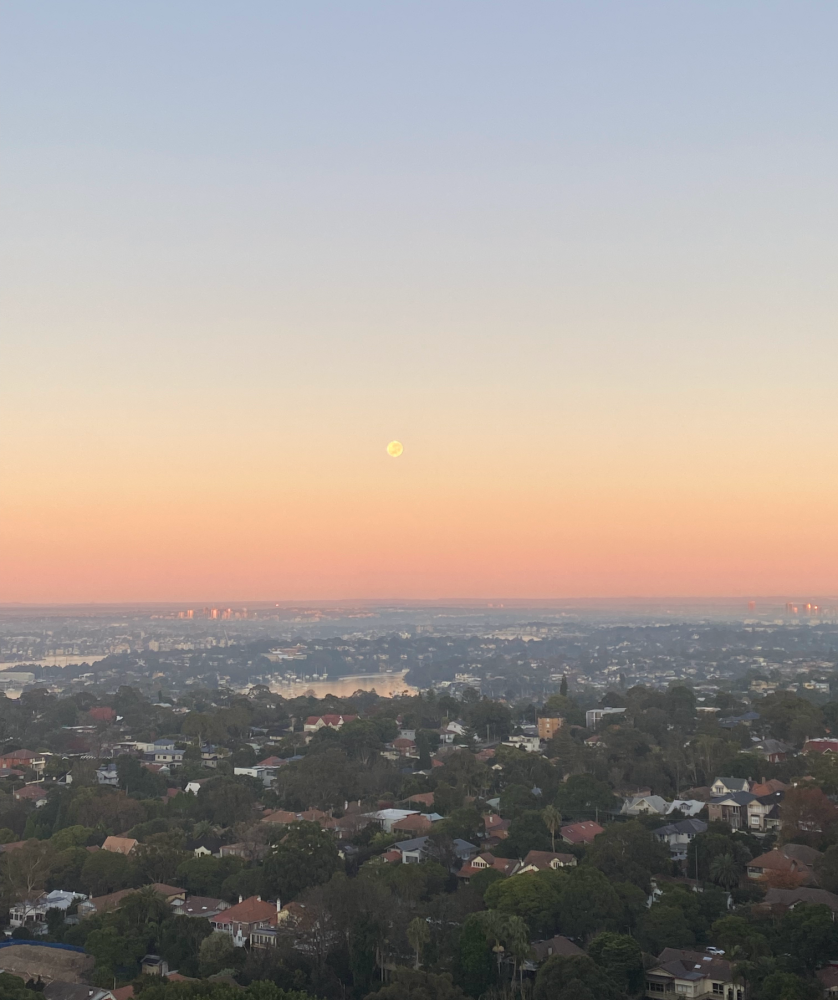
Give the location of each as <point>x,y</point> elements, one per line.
<point>394,449</point>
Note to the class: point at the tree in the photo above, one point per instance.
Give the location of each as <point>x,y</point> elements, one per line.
<point>526,833</point>
<point>305,856</point>
<point>620,958</point>
<point>808,815</point>
<point>588,902</point>
<point>553,821</point>
<point>409,984</point>
<point>725,871</point>
<point>809,933</point>
<point>418,934</point>
<point>535,896</point>
<point>787,986</point>
<point>475,967</point>
<point>563,686</point>
<point>581,796</point>
<point>574,976</point>
<point>628,852</point>
<point>104,872</point>
<point>216,952</point>
<point>25,871</point>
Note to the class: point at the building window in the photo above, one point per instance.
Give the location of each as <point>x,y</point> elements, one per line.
<point>654,988</point>
<point>718,988</point>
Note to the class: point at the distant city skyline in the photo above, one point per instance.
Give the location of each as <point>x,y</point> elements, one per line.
<point>577,258</point>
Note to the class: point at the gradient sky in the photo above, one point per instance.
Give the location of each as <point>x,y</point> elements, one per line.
<point>580,257</point>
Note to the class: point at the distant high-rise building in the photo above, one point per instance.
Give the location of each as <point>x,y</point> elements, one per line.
<point>190,613</point>
<point>752,605</point>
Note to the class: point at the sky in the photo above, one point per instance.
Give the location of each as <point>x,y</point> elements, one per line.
<point>579,258</point>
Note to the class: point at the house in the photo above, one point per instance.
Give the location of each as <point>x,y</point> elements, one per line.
<point>107,774</point>
<point>204,847</point>
<point>315,722</point>
<point>385,818</point>
<point>506,866</point>
<point>495,827</point>
<point>34,794</point>
<point>171,893</point>
<point>422,799</point>
<point>594,716</point>
<point>279,817</point>
<point>199,906</point>
<point>828,979</point>
<point>643,805</point>
<point>694,974</point>
<point>195,786</point>
<point>416,824</point>
<point>581,833</point>
<point>102,713</point>
<point>33,913</point>
<point>689,807</point>
<point>677,836</point>
<point>548,726</point>
<point>726,786</point>
<point>731,808</point>
<point>209,755</point>
<point>119,845</point>
<point>58,990</point>
<point>103,904</point>
<point>764,812</point>
<point>732,721</point>
<point>248,915</point>
<point>404,747</point>
<point>415,850</point>
<point>272,762</point>
<point>264,774</point>
<point>452,732</point>
<point>781,900</point>
<point>154,965</point>
<point>539,861</point>
<point>792,859</point>
<point>530,744</point>
<point>823,745</point>
<point>558,945</point>
<point>23,759</point>
<point>165,752</point>
<point>774,751</point>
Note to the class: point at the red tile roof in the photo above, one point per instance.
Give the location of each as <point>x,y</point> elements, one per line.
<point>581,833</point>
<point>250,911</point>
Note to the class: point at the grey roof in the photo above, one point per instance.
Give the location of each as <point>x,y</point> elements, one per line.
<point>791,897</point>
<point>735,784</point>
<point>72,991</point>
<point>684,826</point>
<point>740,798</point>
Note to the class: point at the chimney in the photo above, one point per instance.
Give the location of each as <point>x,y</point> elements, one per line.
<point>258,899</point>
<point>278,905</point>
<point>241,899</point>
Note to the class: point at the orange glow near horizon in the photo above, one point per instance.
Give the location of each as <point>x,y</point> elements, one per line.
<point>248,245</point>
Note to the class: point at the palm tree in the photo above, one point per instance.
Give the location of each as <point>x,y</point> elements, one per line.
<point>495,924</point>
<point>553,821</point>
<point>517,937</point>
<point>724,871</point>
<point>418,934</point>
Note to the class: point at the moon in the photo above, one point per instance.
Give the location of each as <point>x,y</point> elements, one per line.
<point>394,449</point>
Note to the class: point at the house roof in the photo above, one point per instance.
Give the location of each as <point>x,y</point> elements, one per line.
<point>735,784</point>
<point>418,822</point>
<point>202,906</point>
<point>280,816</point>
<point>828,977</point>
<point>775,861</point>
<point>167,890</point>
<point>581,833</point>
<point>31,792</point>
<point>791,897</point>
<point>543,859</point>
<point>119,845</point>
<point>801,852</point>
<point>250,911</point>
<point>685,826</point>
<point>558,945</point>
<point>110,902</point>
<point>423,798</point>
<point>694,965</point>
<point>20,755</point>
<point>735,798</point>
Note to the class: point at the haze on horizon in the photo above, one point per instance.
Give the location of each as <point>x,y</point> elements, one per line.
<point>578,258</point>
